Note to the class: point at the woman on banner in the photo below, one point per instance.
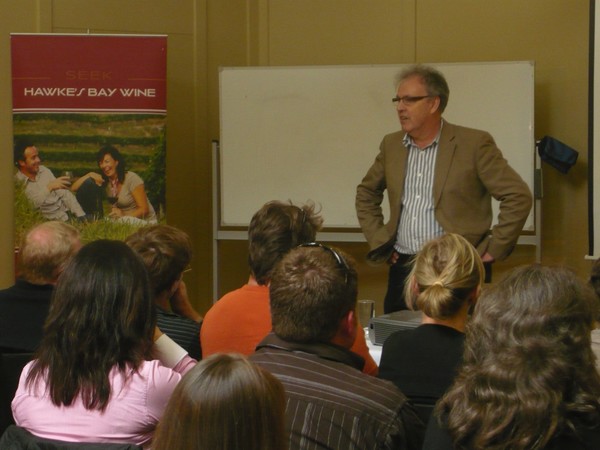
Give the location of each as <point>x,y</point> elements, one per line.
<point>124,189</point>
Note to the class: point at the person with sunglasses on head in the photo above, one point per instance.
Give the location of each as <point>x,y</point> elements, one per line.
<point>330,402</point>
<point>241,318</point>
<point>440,178</point>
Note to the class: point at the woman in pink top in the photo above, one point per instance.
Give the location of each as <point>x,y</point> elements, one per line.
<point>103,372</point>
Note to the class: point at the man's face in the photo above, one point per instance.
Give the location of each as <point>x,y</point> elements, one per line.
<point>418,114</point>
<point>30,165</point>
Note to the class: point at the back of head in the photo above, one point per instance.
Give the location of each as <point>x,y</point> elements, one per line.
<point>275,229</point>
<point>101,316</point>
<point>529,371</point>
<point>224,403</point>
<point>311,290</point>
<point>166,252</point>
<point>434,81</point>
<point>45,251</point>
<point>444,276</point>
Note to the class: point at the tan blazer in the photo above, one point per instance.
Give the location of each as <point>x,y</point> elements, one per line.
<point>469,171</point>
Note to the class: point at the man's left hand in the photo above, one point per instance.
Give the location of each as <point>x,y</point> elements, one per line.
<point>487,258</point>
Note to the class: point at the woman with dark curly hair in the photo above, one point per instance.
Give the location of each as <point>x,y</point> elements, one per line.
<point>529,379</point>
<point>103,372</point>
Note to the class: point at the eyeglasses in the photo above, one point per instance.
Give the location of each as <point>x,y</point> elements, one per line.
<point>341,262</point>
<point>408,100</point>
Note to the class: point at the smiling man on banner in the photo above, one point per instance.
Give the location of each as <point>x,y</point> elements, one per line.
<point>49,194</point>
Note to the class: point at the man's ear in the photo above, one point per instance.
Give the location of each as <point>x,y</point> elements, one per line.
<point>435,105</point>
<point>350,322</point>
<point>346,332</point>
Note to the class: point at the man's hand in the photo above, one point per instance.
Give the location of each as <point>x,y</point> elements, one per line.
<point>59,183</point>
<point>393,258</point>
<point>180,303</point>
<point>115,213</point>
<point>487,258</point>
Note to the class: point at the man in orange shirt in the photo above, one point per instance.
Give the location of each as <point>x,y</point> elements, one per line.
<point>242,318</point>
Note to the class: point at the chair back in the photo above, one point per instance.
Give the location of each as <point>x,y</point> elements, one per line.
<point>11,366</point>
<point>424,410</point>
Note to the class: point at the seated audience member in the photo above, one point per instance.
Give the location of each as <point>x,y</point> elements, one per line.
<point>595,283</point>
<point>330,403</point>
<point>95,378</point>
<point>43,254</point>
<point>241,318</point>
<point>444,284</point>
<point>225,402</point>
<point>528,379</point>
<point>167,252</point>
<point>49,194</point>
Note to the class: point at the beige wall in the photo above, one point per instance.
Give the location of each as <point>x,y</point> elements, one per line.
<point>207,34</point>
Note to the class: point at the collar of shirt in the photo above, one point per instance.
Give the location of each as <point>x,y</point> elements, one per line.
<point>22,177</point>
<point>409,143</point>
<point>331,352</point>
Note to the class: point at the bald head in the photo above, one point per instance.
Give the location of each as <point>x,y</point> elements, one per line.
<point>45,251</point>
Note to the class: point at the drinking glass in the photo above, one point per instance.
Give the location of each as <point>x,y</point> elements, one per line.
<point>366,311</point>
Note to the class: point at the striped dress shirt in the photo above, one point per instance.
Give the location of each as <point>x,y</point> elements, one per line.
<point>417,221</point>
<point>332,405</point>
<point>182,330</point>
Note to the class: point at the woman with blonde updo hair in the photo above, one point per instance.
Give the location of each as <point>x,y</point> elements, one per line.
<point>444,284</point>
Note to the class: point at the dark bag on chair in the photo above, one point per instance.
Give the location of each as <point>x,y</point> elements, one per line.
<point>557,154</point>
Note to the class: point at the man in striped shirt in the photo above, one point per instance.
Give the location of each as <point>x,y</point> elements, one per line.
<point>331,404</point>
<point>440,178</point>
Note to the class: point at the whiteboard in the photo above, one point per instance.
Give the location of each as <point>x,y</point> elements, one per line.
<point>310,133</point>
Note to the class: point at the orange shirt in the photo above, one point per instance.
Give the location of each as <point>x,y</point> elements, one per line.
<point>242,318</point>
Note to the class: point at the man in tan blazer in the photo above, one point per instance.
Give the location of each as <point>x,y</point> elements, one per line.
<point>439,178</point>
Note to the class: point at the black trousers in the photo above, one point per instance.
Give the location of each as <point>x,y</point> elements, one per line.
<point>394,297</point>
<point>89,196</point>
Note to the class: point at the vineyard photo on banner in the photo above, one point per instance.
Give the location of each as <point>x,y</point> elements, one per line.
<point>89,128</point>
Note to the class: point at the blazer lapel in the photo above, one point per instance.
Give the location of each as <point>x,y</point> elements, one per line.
<point>445,153</point>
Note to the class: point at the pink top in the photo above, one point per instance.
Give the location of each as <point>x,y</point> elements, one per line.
<point>137,403</point>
